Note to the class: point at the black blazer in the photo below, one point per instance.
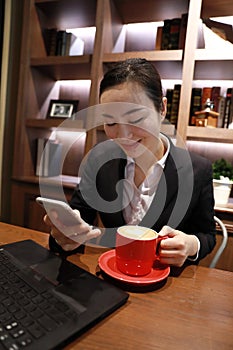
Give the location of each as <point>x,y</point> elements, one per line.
<point>184,198</point>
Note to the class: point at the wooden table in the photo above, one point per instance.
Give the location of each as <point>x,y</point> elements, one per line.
<point>191,311</point>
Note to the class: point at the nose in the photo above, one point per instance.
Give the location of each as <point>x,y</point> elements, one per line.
<point>124,131</point>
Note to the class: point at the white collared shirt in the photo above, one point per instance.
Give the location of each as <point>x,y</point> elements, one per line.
<point>137,200</point>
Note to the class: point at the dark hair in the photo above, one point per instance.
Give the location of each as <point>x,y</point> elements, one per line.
<point>137,70</point>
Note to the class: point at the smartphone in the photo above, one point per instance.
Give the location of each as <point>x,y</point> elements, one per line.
<point>65,214</point>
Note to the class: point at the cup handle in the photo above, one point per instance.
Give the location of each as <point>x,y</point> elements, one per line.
<point>157,264</point>
<point>159,239</point>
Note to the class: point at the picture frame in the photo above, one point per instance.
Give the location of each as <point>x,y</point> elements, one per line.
<point>62,109</point>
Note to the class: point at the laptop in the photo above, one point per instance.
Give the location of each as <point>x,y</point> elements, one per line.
<point>45,301</point>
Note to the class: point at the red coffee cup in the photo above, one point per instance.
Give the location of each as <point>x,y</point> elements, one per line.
<point>136,249</point>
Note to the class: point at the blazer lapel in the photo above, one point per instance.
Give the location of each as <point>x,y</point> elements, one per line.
<point>174,193</point>
<point>111,189</point>
<point>164,199</point>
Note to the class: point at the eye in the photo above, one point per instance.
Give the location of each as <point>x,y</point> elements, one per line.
<point>110,124</point>
<point>139,120</point>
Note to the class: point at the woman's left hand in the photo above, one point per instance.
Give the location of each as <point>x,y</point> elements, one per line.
<point>175,249</point>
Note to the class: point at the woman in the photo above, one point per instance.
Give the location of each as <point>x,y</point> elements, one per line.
<point>139,177</point>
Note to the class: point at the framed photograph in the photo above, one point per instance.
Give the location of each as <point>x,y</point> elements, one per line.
<point>62,108</point>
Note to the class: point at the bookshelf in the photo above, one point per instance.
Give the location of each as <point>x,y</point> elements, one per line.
<point>44,77</point>
<point>212,134</point>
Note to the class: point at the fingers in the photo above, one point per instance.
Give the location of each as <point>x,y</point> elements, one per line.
<point>172,261</point>
<point>69,238</point>
<point>167,231</point>
<point>177,247</point>
<point>80,228</point>
<point>47,220</point>
<point>84,237</point>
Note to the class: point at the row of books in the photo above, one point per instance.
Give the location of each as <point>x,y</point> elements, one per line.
<point>210,102</point>
<point>48,158</point>
<point>62,43</point>
<point>172,35</point>
<point>206,103</point>
<point>173,100</point>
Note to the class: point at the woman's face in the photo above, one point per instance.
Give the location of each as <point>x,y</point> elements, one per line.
<point>131,120</point>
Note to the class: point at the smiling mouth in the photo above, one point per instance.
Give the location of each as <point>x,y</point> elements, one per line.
<point>129,145</point>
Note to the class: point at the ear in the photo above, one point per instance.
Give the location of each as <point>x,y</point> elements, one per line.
<point>164,108</point>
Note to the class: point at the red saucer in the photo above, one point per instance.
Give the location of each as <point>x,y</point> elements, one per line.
<point>107,263</point>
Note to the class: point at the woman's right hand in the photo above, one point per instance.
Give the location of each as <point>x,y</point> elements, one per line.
<point>70,237</point>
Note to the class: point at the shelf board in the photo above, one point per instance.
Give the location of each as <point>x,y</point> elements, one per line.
<point>54,123</point>
<point>227,208</point>
<point>216,8</point>
<point>159,55</point>
<point>149,10</point>
<point>210,134</point>
<point>64,67</point>
<point>66,180</point>
<point>214,55</point>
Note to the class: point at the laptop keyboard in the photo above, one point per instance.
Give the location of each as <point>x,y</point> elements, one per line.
<point>27,313</point>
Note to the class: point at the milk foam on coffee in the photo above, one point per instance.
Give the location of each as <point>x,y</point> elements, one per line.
<point>137,232</point>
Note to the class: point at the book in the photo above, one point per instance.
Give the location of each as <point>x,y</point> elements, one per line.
<point>183,29</point>
<point>70,38</point>
<point>63,43</point>
<point>59,40</point>
<point>174,33</point>
<point>230,122</point>
<point>158,41</point>
<point>226,118</point>
<point>170,34</point>
<point>49,157</point>
<point>169,94</point>
<point>221,109</point>
<point>215,95</point>
<point>195,105</point>
<point>206,94</point>
<point>165,34</point>
<point>40,149</point>
<point>52,161</point>
<point>175,104</point>
<point>50,39</point>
